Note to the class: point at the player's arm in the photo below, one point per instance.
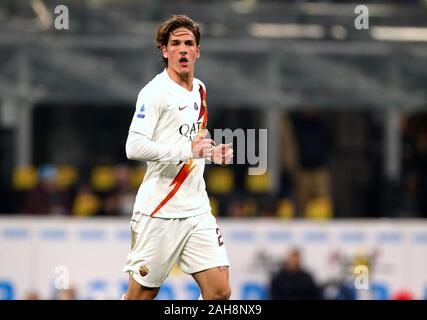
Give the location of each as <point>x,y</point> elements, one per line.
<point>139,144</point>
<point>139,147</point>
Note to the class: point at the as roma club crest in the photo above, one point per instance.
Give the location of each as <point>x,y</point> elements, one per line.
<point>143,270</point>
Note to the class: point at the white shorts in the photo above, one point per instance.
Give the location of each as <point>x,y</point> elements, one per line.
<point>194,244</point>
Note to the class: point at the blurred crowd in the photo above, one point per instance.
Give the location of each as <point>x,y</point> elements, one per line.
<point>105,190</point>
<point>331,165</point>
<point>65,190</point>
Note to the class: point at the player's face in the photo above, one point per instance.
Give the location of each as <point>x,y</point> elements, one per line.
<point>182,51</point>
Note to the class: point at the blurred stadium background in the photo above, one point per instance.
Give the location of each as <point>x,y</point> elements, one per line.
<point>347,143</point>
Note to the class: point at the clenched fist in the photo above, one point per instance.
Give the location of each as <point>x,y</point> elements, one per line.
<point>201,147</point>
<point>222,154</point>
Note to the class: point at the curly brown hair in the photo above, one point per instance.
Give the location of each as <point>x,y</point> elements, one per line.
<point>172,23</point>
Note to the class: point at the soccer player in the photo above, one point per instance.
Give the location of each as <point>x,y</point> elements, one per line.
<point>172,220</point>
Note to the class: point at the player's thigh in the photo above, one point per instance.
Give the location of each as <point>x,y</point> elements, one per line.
<point>205,247</point>
<point>158,244</point>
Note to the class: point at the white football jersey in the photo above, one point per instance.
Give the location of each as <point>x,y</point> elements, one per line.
<point>168,114</point>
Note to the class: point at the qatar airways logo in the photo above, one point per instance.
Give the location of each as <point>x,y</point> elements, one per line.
<point>190,130</point>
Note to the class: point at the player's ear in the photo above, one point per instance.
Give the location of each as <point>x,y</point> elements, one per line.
<point>164,52</point>
<point>198,52</point>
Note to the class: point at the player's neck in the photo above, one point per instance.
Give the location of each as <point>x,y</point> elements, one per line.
<point>184,80</point>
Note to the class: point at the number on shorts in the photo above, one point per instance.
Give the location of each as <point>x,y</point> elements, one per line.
<point>218,233</point>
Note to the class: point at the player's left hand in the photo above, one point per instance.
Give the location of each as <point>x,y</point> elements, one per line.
<point>222,154</point>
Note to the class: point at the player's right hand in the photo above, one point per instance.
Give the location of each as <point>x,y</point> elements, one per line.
<point>201,147</point>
